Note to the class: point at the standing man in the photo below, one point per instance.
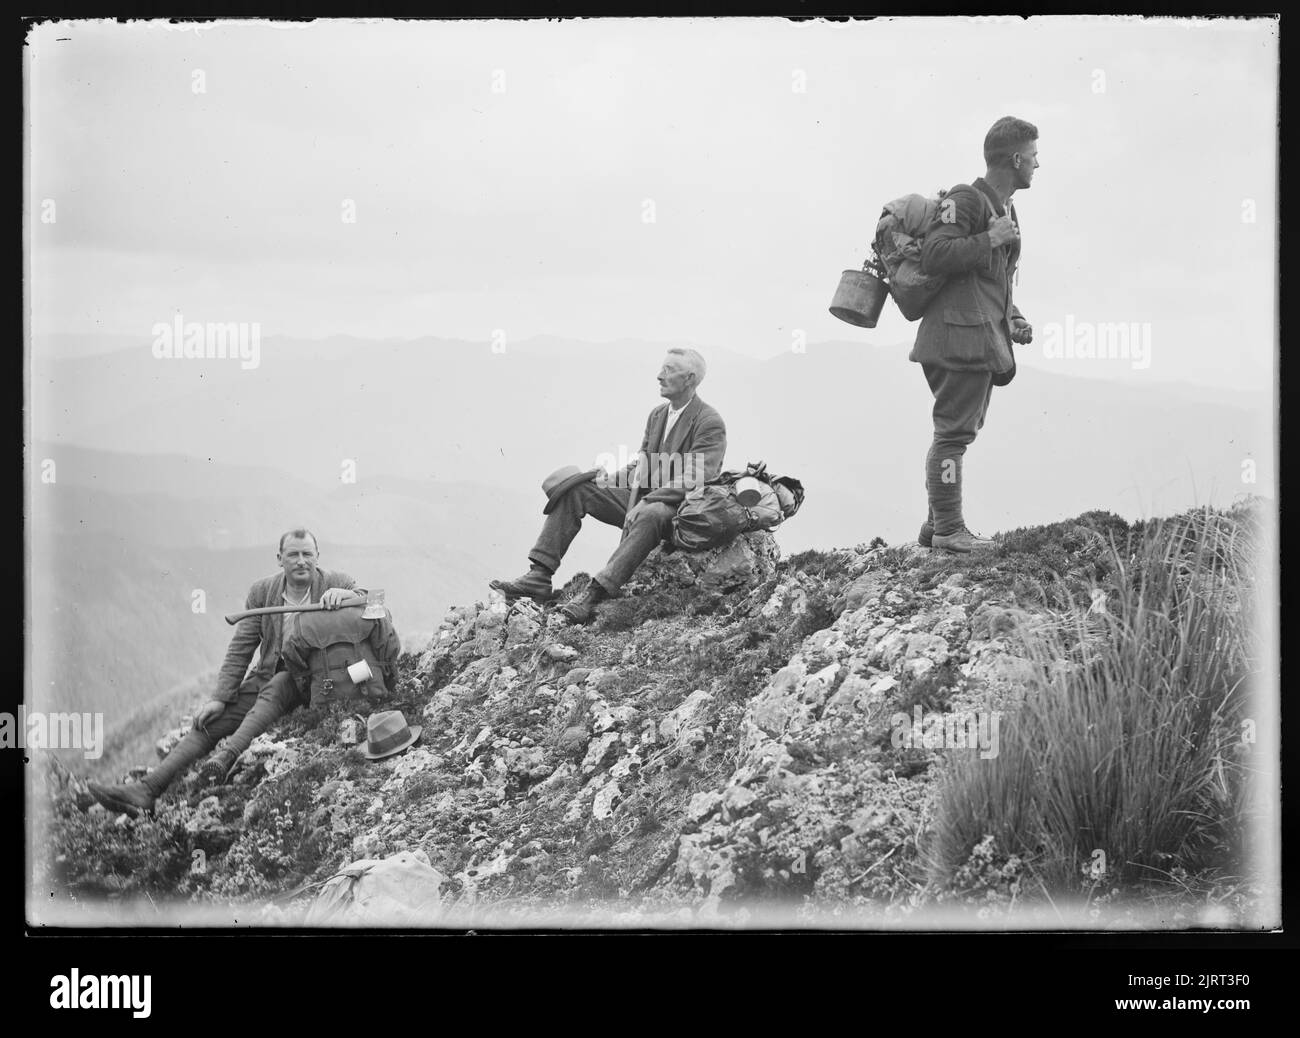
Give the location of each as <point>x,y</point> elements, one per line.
<point>964,342</point>
<point>683,446</point>
<point>247,701</point>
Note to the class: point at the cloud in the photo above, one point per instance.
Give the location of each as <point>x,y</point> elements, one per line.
<point>766,147</point>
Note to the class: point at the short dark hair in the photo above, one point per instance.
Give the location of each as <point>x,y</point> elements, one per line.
<point>1007,136</point>
<point>300,533</point>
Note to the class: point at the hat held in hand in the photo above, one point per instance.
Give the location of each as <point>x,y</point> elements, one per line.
<point>561,481</point>
<point>387,733</point>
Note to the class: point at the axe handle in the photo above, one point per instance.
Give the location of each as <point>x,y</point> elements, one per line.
<point>234,618</point>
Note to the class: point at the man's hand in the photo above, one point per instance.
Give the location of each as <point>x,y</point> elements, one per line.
<point>332,598</point>
<point>1002,229</point>
<point>633,513</point>
<point>1021,331</point>
<point>208,713</point>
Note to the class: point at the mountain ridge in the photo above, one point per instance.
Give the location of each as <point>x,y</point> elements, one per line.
<point>719,749</point>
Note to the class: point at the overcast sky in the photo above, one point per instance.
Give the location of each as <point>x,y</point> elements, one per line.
<point>502,174</point>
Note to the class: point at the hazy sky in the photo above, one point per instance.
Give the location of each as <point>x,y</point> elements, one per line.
<point>502,175</point>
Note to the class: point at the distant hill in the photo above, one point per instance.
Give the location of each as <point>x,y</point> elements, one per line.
<point>851,419</point>
<point>119,544</point>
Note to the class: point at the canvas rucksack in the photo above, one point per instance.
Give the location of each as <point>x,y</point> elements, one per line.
<point>900,233</point>
<point>712,513</point>
<point>319,648</point>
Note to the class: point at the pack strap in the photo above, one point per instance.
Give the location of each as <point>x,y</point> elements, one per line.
<point>322,669</point>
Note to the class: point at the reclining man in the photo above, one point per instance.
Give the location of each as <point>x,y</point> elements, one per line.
<point>247,701</point>
<point>964,342</point>
<point>683,446</point>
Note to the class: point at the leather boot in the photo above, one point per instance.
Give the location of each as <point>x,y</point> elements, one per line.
<point>217,768</point>
<point>583,610</point>
<point>963,541</point>
<point>535,584</point>
<point>130,798</point>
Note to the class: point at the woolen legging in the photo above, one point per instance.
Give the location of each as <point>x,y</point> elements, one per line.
<point>961,401</point>
<point>253,711</point>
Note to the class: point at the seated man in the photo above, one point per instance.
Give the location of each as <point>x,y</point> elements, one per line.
<point>683,446</point>
<point>247,701</point>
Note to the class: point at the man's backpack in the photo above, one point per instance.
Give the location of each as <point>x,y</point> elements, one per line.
<point>900,233</point>
<point>319,648</point>
<point>904,224</point>
<point>713,513</point>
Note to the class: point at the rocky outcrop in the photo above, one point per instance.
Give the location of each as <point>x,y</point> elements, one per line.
<point>798,788</point>
<point>735,730</point>
<point>746,562</point>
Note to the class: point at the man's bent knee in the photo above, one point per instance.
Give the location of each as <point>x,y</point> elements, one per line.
<point>281,689</point>
<point>580,496</point>
<point>955,443</point>
<point>652,513</point>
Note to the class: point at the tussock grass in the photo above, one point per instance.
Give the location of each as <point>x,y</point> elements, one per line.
<point>1129,741</point>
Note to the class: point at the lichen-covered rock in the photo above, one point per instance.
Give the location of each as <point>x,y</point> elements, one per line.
<point>527,763</point>
<point>350,732</point>
<point>573,741</point>
<point>687,724</point>
<point>523,624</point>
<point>599,750</point>
<point>703,804</point>
<point>747,561</point>
<point>865,589</point>
<point>560,653</point>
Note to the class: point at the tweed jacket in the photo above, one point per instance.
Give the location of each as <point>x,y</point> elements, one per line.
<point>261,635</point>
<point>692,454</point>
<point>967,326</point>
